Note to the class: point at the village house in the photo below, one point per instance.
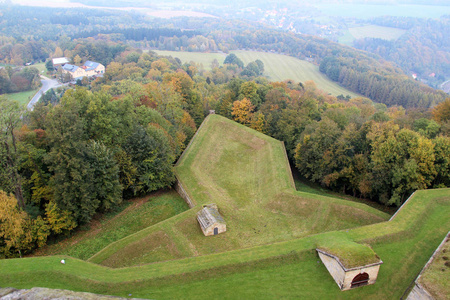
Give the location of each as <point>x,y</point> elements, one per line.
<point>210,220</point>
<point>89,69</point>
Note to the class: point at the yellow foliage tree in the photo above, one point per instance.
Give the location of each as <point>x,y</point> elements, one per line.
<point>58,52</point>
<point>13,223</point>
<point>77,60</point>
<point>242,111</point>
<point>59,220</point>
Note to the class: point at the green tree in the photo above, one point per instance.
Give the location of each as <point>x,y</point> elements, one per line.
<point>10,115</point>
<point>232,59</point>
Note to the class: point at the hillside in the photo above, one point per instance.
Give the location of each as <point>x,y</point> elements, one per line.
<point>247,175</point>
<point>277,67</point>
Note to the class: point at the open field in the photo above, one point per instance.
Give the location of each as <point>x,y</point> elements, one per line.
<point>373,31</point>
<point>258,200</point>
<point>22,97</point>
<point>138,214</point>
<point>277,67</point>
<point>204,59</point>
<point>289,269</point>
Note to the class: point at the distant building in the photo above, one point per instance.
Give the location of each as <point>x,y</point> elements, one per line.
<point>89,69</point>
<point>59,61</point>
<point>210,220</point>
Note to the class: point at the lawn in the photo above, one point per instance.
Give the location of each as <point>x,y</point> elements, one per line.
<point>277,67</point>
<point>247,175</point>
<point>22,97</point>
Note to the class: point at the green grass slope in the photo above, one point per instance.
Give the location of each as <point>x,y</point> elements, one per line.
<point>288,269</point>
<point>277,67</point>
<point>138,214</point>
<point>247,175</point>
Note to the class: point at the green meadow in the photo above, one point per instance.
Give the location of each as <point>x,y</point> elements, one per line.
<point>22,97</point>
<point>370,31</point>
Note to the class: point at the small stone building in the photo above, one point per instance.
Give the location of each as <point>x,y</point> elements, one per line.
<point>210,220</point>
<point>348,278</point>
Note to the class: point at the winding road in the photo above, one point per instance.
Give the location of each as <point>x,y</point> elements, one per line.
<point>47,84</point>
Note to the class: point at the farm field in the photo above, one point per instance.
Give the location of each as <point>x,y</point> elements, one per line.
<point>257,200</point>
<point>277,67</point>
<point>370,31</point>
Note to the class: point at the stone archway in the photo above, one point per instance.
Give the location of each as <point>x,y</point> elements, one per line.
<point>360,280</point>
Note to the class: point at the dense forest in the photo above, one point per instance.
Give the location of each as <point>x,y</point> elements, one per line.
<point>424,49</point>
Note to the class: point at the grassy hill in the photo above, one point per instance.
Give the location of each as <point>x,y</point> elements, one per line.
<point>277,67</point>
<point>247,175</point>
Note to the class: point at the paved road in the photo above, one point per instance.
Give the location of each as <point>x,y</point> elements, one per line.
<point>47,84</point>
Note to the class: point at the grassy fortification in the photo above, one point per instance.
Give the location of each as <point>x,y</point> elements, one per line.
<point>287,269</point>
<point>247,175</point>
<point>263,264</point>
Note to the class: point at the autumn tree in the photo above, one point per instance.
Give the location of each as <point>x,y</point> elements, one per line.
<point>242,111</point>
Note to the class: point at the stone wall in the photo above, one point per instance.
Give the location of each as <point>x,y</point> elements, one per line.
<point>52,294</point>
<point>210,230</point>
<point>419,293</point>
<point>334,268</point>
<point>180,189</point>
<point>371,270</point>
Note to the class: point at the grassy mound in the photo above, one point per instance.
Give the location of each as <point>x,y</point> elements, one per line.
<point>247,175</point>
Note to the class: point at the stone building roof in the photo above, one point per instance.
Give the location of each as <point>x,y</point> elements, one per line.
<point>209,215</point>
